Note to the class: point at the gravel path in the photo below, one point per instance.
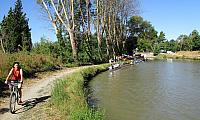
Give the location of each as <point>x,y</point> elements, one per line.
<point>37,92</point>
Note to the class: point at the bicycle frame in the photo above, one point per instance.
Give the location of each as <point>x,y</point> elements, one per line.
<point>14,95</point>
<point>15,89</point>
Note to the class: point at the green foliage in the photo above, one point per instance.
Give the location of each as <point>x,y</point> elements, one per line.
<point>15,32</point>
<point>144,45</point>
<point>30,63</point>
<point>68,95</point>
<point>43,47</point>
<point>145,33</point>
<point>146,38</point>
<point>189,43</point>
<point>87,114</point>
<point>62,50</point>
<point>195,39</point>
<point>161,57</point>
<point>172,45</point>
<point>183,43</point>
<point>89,51</point>
<point>161,38</point>
<point>130,45</point>
<point>54,49</point>
<point>156,50</point>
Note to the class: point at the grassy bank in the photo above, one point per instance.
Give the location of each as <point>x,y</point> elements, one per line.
<point>69,96</point>
<point>192,55</point>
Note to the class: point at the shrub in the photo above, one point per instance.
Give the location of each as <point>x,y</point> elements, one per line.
<point>30,63</point>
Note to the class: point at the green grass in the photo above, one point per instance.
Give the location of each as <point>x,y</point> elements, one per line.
<point>69,98</point>
<point>183,57</point>
<point>161,57</point>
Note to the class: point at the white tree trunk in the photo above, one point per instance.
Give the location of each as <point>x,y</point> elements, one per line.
<point>73,43</point>
<point>2,47</point>
<point>98,25</point>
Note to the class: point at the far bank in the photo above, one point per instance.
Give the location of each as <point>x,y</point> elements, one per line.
<point>191,55</point>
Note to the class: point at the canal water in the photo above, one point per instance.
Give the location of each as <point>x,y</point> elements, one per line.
<point>155,90</point>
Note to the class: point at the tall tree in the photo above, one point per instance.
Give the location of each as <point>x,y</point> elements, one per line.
<point>15,30</point>
<point>63,11</point>
<point>9,40</point>
<point>115,14</point>
<point>161,37</point>
<point>143,33</point>
<point>1,40</point>
<point>182,42</point>
<point>195,38</point>
<point>109,17</point>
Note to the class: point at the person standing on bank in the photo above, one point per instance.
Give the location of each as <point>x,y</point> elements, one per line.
<point>17,75</point>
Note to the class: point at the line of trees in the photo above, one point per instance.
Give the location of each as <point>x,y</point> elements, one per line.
<point>190,42</point>
<point>90,31</point>
<point>144,38</point>
<point>94,29</point>
<point>15,33</point>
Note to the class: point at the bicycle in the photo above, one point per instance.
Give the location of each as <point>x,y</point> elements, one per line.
<point>14,95</point>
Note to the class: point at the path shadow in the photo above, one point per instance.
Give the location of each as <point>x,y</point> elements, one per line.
<point>31,103</point>
<point>4,110</point>
<point>4,90</point>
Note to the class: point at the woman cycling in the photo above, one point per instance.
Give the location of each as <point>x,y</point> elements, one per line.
<point>17,75</point>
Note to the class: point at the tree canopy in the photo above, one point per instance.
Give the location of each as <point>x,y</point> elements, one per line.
<point>15,31</point>
<point>144,37</point>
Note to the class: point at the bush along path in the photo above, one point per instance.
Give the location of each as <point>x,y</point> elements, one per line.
<point>59,95</point>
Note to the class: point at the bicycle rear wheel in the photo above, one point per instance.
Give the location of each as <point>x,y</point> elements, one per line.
<point>13,101</point>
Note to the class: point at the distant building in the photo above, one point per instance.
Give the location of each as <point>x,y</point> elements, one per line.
<point>163,51</point>
<point>170,52</point>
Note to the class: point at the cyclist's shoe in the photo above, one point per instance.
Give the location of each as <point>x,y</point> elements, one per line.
<point>20,102</point>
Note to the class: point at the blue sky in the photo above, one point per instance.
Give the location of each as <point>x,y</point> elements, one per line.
<point>173,17</point>
<point>40,26</point>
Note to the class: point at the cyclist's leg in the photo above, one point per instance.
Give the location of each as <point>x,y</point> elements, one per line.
<point>20,93</point>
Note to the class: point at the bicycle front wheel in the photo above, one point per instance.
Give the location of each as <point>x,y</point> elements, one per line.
<point>13,102</point>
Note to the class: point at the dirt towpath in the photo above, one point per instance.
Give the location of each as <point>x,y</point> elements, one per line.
<point>35,91</point>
